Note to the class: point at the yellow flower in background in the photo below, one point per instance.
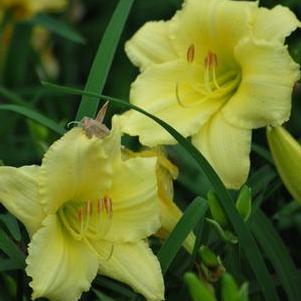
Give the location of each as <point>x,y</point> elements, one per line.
<point>286,152</point>
<point>22,9</point>
<point>41,43</point>
<point>170,213</point>
<point>87,211</point>
<point>215,71</point>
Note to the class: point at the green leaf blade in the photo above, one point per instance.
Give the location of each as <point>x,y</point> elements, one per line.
<point>191,217</point>
<point>103,59</point>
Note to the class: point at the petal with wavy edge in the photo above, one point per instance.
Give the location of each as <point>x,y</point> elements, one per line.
<point>76,168</point>
<point>274,24</point>
<point>264,94</point>
<point>61,268</point>
<point>150,45</point>
<point>133,264</point>
<point>19,195</point>
<point>227,149</point>
<point>155,91</point>
<point>214,26</point>
<point>134,201</point>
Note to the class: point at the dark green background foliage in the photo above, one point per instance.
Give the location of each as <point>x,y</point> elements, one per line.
<point>275,222</point>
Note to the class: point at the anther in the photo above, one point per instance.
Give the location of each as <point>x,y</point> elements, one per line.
<point>80,214</point>
<point>211,60</point>
<point>89,208</point>
<point>108,206</point>
<point>190,53</point>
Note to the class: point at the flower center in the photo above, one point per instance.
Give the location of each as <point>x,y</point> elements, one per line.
<point>89,219</point>
<point>213,85</point>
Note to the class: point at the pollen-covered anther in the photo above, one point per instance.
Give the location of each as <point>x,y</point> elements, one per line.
<point>89,208</point>
<point>108,206</point>
<point>210,79</point>
<point>211,60</point>
<point>190,53</point>
<point>80,214</point>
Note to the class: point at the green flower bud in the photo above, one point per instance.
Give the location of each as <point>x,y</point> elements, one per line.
<point>243,203</point>
<point>197,288</point>
<point>286,152</point>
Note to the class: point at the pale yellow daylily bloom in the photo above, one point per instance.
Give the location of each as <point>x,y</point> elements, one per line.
<point>87,211</point>
<point>22,9</point>
<point>41,43</point>
<point>215,71</point>
<point>170,213</point>
<point>286,152</point>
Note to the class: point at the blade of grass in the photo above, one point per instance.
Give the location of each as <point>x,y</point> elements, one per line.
<point>114,286</point>
<point>102,297</point>
<point>103,59</point>
<point>16,61</point>
<point>12,97</point>
<point>262,152</point>
<point>276,251</point>
<point>191,217</point>
<point>31,114</point>
<point>8,265</point>
<point>11,250</point>
<point>246,238</point>
<point>12,225</point>
<point>58,27</point>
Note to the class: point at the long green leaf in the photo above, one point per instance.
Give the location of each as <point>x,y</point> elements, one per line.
<point>29,113</point>
<point>11,250</point>
<point>8,265</point>
<point>276,251</point>
<point>246,238</point>
<point>58,27</point>
<point>12,225</point>
<point>191,217</point>
<point>103,59</point>
<point>102,297</point>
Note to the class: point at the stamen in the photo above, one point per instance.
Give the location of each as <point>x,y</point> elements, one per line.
<point>89,208</point>
<point>190,53</point>
<point>178,96</point>
<point>99,206</point>
<point>81,219</point>
<point>210,71</point>
<point>108,206</point>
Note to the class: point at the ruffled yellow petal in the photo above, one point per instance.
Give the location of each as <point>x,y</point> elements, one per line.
<point>18,194</point>
<point>264,94</point>
<point>150,45</point>
<point>274,24</point>
<point>74,168</point>
<point>160,89</point>
<point>211,26</point>
<point>135,203</point>
<point>133,264</point>
<point>61,268</point>
<point>286,152</point>
<point>226,148</point>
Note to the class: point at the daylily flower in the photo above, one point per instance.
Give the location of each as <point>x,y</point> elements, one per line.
<point>286,152</point>
<point>215,71</point>
<point>41,43</point>
<point>87,211</point>
<point>22,9</point>
<point>170,213</point>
